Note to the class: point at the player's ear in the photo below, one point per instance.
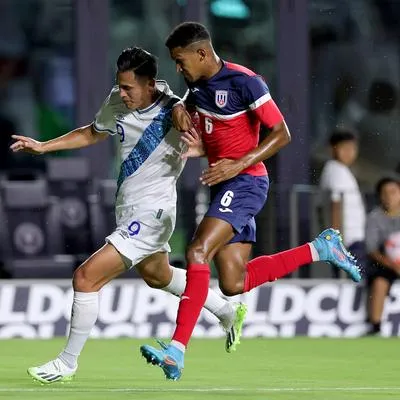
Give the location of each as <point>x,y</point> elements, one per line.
<point>202,54</point>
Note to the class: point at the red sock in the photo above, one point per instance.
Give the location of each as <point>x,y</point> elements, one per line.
<point>192,301</point>
<point>269,268</point>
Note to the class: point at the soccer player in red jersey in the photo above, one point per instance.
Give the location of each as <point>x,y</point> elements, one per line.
<point>231,102</point>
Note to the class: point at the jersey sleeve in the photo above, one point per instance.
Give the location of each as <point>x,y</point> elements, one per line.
<point>258,99</point>
<point>104,121</point>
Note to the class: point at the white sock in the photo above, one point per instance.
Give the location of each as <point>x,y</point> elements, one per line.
<point>216,304</point>
<point>180,346</point>
<point>85,309</point>
<point>314,252</point>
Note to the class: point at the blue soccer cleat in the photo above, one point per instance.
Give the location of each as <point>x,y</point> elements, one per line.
<point>329,245</point>
<point>169,358</point>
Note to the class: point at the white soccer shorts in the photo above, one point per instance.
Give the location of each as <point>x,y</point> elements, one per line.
<point>141,233</point>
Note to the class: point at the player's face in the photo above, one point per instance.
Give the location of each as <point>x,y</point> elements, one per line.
<point>189,63</point>
<point>390,196</point>
<point>135,93</point>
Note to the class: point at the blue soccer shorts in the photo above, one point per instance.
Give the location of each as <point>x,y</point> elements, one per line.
<point>237,201</point>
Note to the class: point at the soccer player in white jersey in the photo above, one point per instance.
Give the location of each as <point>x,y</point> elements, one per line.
<point>138,110</point>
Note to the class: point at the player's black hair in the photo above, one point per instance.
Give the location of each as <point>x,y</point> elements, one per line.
<point>341,136</point>
<point>187,33</point>
<point>141,62</point>
<point>384,181</point>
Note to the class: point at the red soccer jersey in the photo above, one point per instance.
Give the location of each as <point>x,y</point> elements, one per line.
<point>231,106</point>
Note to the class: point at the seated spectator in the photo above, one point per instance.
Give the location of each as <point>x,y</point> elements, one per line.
<point>347,210</point>
<point>383,248</point>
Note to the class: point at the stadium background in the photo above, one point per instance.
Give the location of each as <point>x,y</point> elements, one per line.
<point>327,63</point>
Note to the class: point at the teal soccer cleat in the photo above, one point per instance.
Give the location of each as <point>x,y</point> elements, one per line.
<point>329,245</point>
<point>169,358</point>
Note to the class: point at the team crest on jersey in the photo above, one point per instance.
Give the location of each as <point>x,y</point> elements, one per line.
<point>221,98</point>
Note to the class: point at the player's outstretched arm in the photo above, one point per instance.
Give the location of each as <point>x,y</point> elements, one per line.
<point>76,139</point>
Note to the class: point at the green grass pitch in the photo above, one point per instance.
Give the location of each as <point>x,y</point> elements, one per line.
<point>281,369</point>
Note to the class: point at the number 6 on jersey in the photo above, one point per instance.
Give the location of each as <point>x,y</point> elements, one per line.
<point>208,125</point>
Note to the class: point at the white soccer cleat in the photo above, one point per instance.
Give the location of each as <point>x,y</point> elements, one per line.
<point>53,371</point>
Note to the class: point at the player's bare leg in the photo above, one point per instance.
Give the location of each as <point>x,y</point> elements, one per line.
<point>231,262</point>
<point>210,236</point>
<point>157,273</point>
<point>155,270</point>
<point>237,275</point>
<point>102,267</point>
<point>99,269</point>
<point>326,247</point>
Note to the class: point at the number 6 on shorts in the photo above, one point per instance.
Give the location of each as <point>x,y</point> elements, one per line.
<point>226,199</point>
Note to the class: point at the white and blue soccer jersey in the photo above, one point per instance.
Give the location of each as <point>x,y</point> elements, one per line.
<point>150,152</point>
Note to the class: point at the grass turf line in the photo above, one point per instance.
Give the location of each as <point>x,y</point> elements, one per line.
<point>282,369</point>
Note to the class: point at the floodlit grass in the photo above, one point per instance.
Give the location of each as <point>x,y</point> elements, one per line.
<point>270,369</point>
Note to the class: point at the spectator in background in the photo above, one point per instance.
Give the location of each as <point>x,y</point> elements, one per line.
<point>347,210</point>
<point>383,248</point>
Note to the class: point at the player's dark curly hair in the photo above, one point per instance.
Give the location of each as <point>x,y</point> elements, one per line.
<point>187,33</point>
<point>141,62</point>
<point>339,136</point>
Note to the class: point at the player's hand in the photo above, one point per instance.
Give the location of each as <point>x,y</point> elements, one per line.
<point>26,144</point>
<point>220,171</point>
<point>181,119</point>
<point>194,144</point>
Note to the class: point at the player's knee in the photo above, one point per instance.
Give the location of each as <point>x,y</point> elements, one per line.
<point>197,253</point>
<point>231,287</point>
<point>155,282</point>
<point>81,283</point>
<point>156,274</point>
